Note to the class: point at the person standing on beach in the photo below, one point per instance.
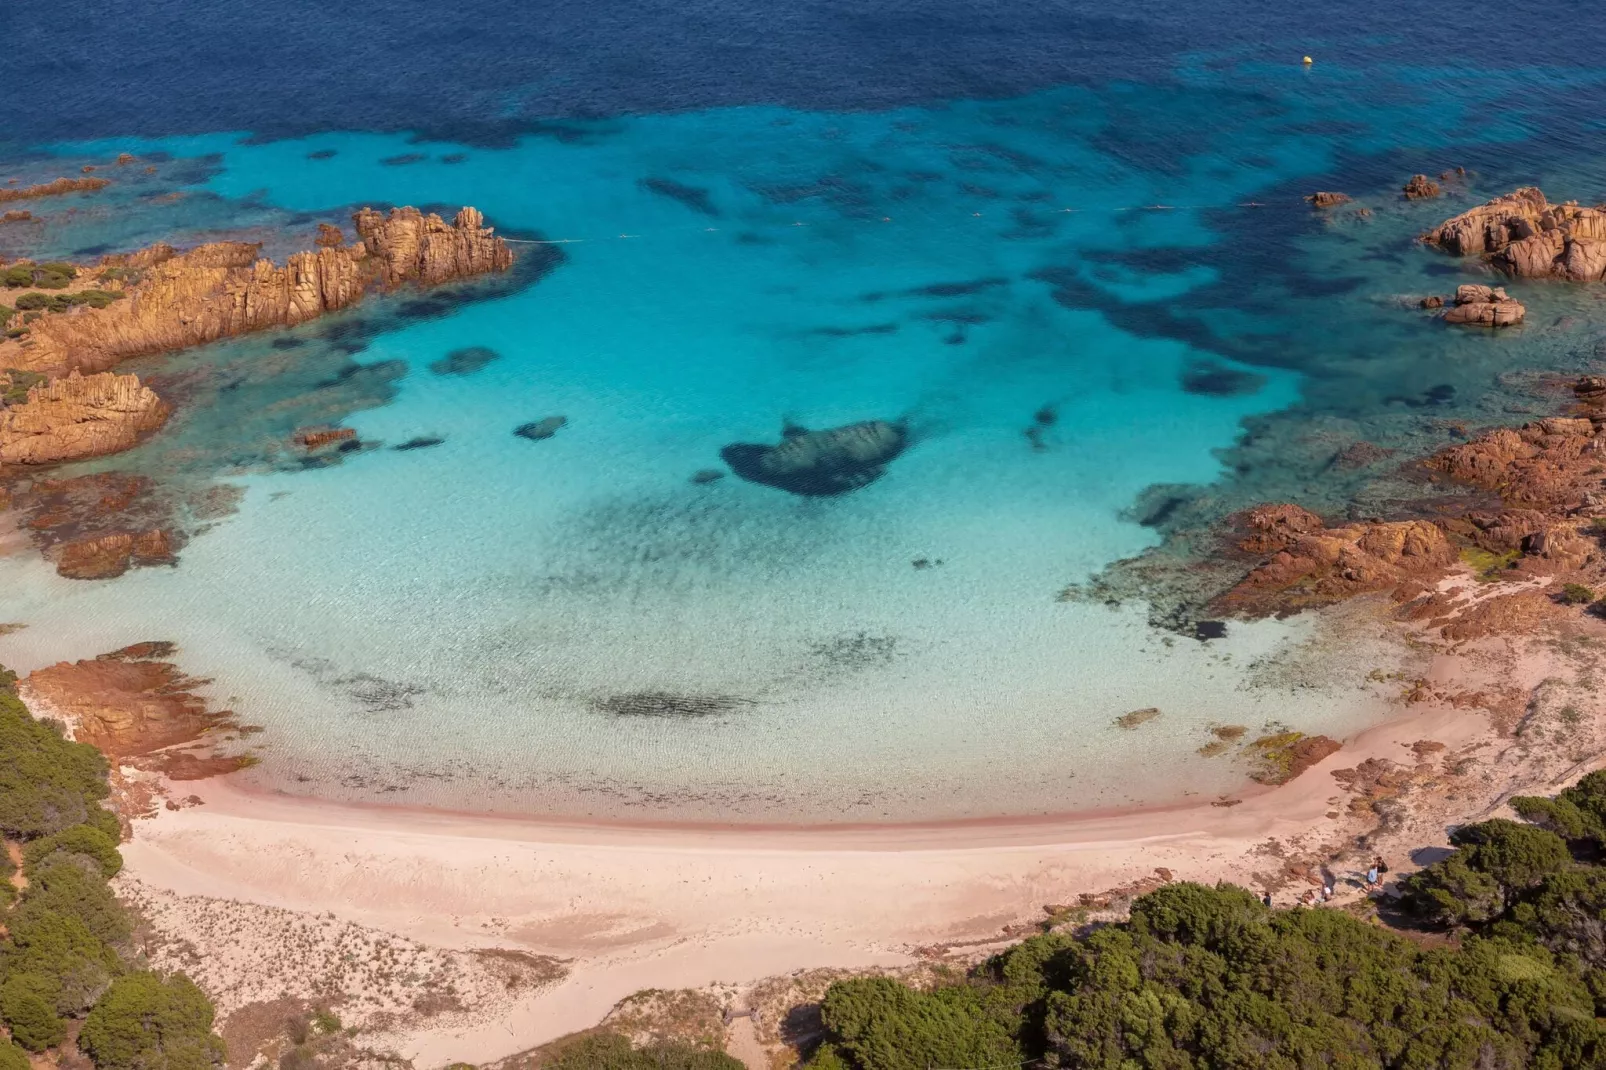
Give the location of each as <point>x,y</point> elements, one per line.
<point>1371,876</point>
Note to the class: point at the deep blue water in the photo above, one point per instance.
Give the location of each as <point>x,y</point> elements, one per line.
<point>479,70</point>
<point>1065,246</point>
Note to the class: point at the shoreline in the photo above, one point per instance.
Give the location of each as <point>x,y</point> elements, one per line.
<point>636,906</point>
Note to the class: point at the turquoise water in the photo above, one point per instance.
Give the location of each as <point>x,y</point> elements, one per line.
<point>482,623</point>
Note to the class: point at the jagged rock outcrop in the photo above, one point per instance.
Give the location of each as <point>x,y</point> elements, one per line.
<point>820,463</point>
<point>225,288</point>
<point>137,711</point>
<point>1485,306</point>
<point>53,188</point>
<point>1310,564</point>
<point>1523,234</point>
<point>78,416</point>
<point>1551,465</point>
<point>1327,199</point>
<point>1420,187</point>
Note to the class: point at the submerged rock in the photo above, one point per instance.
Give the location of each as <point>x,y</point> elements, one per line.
<point>820,463</point>
<point>1136,717</point>
<point>704,476</point>
<point>109,556</point>
<point>419,443</point>
<point>541,429</point>
<point>465,361</point>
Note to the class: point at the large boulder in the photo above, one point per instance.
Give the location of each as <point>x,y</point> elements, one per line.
<point>1524,235</point>
<point>1485,306</point>
<point>78,416</point>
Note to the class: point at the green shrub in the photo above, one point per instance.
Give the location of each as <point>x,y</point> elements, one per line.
<point>60,267</point>
<point>610,1051</point>
<point>21,275</point>
<point>32,300</point>
<point>81,840</point>
<point>27,1005</point>
<point>883,1024</point>
<point>64,950</point>
<point>13,1057</point>
<point>1576,594</point>
<point>74,889</point>
<point>16,332</point>
<point>148,1022</point>
<point>47,783</point>
<point>50,280</point>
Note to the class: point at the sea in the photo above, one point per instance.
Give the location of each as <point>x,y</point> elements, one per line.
<point>1062,246</point>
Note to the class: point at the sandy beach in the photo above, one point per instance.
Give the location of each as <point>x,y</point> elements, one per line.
<point>634,907</point>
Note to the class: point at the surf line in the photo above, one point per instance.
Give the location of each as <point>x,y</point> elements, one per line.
<point>888,219</point>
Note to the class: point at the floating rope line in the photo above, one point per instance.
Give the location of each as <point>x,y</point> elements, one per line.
<point>888,219</point>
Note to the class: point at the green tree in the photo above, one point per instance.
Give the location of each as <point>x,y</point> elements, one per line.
<point>47,783</point>
<point>610,1051</point>
<point>1498,862</point>
<point>84,840</point>
<point>883,1025</point>
<point>72,887</point>
<point>13,1057</point>
<point>27,1005</point>
<point>63,949</point>
<point>148,1022</point>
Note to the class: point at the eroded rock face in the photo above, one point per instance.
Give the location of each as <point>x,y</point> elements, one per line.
<point>105,557</point>
<point>1310,564</point>
<point>820,463</point>
<point>54,188</point>
<point>134,710</point>
<point>1485,306</point>
<point>225,288</point>
<point>79,416</point>
<point>1550,465</point>
<point>1523,234</point>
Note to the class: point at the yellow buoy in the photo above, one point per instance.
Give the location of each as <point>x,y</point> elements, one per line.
<point>1308,61</point>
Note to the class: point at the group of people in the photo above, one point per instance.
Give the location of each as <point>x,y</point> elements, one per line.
<point>1329,888</point>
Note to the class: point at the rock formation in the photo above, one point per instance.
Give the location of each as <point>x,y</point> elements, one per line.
<point>1551,465</point>
<point>106,557</point>
<point>1524,235</point>
<point>78,416</point>
<point>225,288</point>
<point>136,711</point>
<point>53,188</point>
<point>1309,564</point>
<point>1326,199</point>
<point>1485,306</point>
<point>1420,187</point>
<point>820,463</point>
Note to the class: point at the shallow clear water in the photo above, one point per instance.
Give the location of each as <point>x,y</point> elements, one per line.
<point>462,625</point>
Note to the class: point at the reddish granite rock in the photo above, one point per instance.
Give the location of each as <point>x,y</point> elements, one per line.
<point>313,437</point>
<point>224,289</point>
<point>54,188</point>
<point>1485,306</point>
<point>1326,199</point>
<point>1311,564</point>
<point>1523,234</point>
<point>1552,465</point>
<point>78,416</point>
<point>107,556</point>
<point>1421,187</point>
<point>135,711</point>
<point>1432,301</point>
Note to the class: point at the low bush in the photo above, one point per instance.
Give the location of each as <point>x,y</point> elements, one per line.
<point>149,1022</point>
<point>82,840</point>
<point>1576,594</point>
<point>47,783</point>
<point>27,1006</point>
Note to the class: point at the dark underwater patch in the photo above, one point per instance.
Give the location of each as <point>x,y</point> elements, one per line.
<point>465,361</point>
<point>1209,379</point>
<point>420,442</point>
<point>287,343</point>
<point>694,197</point>
<point>322,154</point>
<point>667,704</point>
<point>404,159</point>
<point>850,332</point>
<point>820,464</point>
